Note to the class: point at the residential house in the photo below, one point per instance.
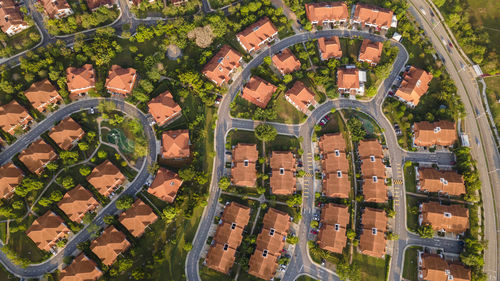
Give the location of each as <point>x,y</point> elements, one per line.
<point>243,171</point>
<point>42,94</point>
<point>374,190</point>
<point>222,66</point>
<point>178,2</point>
<point>237,214</point>
<point>374,225</point>
<point>137,218</point>
<point>164,109</point>
<point>371,16</point>
<point>434,267</point>
<point>327,13</point>
<point>300,97</point>
<point>47,230</point>
<point>283,173</point>
<point>336,182</point>
<point>444,218</point>
<point>330,143</point>
<point>336,185</point>
<point>10,177</point>
<point>56,9</point>
<point>14,116</point>
<point>334,220</point>
<point>373,171</point>
<point>109,245</point>
<point>370,147</point>
<point>67,133</point>
<point>350,80</point>
<point>95,4</point>
<point>37,156</point>
<point>329,48</point>
<point>175,144</point>
<point>120,80</point>
<point>106,178</point>
<point>11,18</point>
<point>80,269</point>
<point>442,133</point>
<point>165,185</point>
<point>445,182</point>
<point>370,52</point>
<point>77,202</point>
<point>80,81</point>
<point>335,163</point>
<point>257,34</point>
<point>258,91</point>
<point>286,62</point>
<point>414,85</point>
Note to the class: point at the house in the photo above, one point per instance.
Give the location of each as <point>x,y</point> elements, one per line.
<point>327,12</point>
<point>80,81</point>
<point>164,109</point>
<point>80,269</point>
<point>37,156</point>
<point>109,245</point>
<point>120,80</point>
<point>370,147</point>
<point>336,185</point>
<point>434,267</point>
<point>42,94</point>
<point>374,225</point>
<point>67,133</point>
<point>370,52</point>
<point>335,163</point>
<point>220,257</point>
<point>222,66</point>
<point>263,264</point>
<point>329,143</point>
<point>374,190</point>
<point>47,230</point>
<point>441,133</point>
<point>56,9</point>
<point>329,48</point>
<point>373,167</point>
<point>165,185</point>
<point>243,171</point>
<point>229,234</point>
<point>257,34</point>
<point>178,2</point>
<point>286,62</point>
<point>258,91</point>
<point>335,214</point>
<point>106,178</point>
<point>368,15</point>
<point>14,116</point>
<point>300,97</point>
<point>282,179</point>
<point>237,214</point>
<point>414,85</point>
<point>373,171</point>
<point>332,235</point>
<point>77,202</point>
<point>10,177</point>
<point>95,4</point>
<point>137,218</point>
<point>444,218</point>
<point>445,182</point>
<point>350,80</point>
<point>175,144</point>
<point>11,18</point>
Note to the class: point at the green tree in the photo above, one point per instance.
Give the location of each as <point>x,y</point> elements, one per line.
<point>69,157</point>
<point>188,246</point>
<point>356,129</point>
<point>187,174</point>
<point>52,166</point>
<point>292,239</point>
<point>345,271</point>
<point>314,224</point>
<point>83,146</point>
<point>102,154</point>
<point>109,219</point>
<point>224,183</point>
<point>85,170</point>
<point>125,202</point>
<point>266,132</point>
<point>68,182</point>
<point>426,231</point>
<point>56,196</point>
<point>169,213</point>
<point>351,234</point>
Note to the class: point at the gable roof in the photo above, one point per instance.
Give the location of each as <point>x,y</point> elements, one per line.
<point>137,218</point>
<point>329,47</point>
<point>105,177</point>
<point>245,151</point>
<point>220,66</point>
<point>12,115</point>
<point>165,185</point>
<point>301,96</point>
<point>434,267</point>
<point>243,172</point>
<point>370,169</point>
<point>46,230</point>
<point>270,240</point>
<point>109,245</point>
<point>53,7</point>
<point>453,218</point>
<point>370,147</point>
<point>163,108</point>
<point>66,132</point>
<point>278,220</point>
<point>414,85</point>
<point>336,187</point>
<point>374,191</point>
<point>370,51</point>
<point>80,80</point>
<point>286,62</point>
<point>37,155</point>
<point>94,4</point>
<point>374,15</point>
<point>81,269</point>
<point>374,218</point>
<point>121,80</point>
<point>236,213</point>
<point>175,144</point>
<point>348,78</point>
<point>449,182</point>
<point>77,202</point>
<point>326,11</point>
<point>263,266</point>
<point>227,234</point>
<point>10,177</point>
<point>372,244</point>
<point>332,163</point>
<point>251,37</point>
<point>436,133</point>
<point>331,239</point>
<point>331,142</point>
<point>258,91</point>
<point>41,94</point>
<point>220,258</point>
<point>335,214</point>
<point>282,179</point>
<point>10,15</point>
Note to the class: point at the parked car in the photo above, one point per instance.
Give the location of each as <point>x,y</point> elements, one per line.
<point>391,93</point>
<point>327,117</point>
<point>449,44</point>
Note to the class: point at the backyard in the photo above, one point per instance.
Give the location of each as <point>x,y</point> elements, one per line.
<point>412,204</point>
<point>410,180</point>
<point>372,269</point>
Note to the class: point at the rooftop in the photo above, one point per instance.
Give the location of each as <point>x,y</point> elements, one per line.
<point>163,108</point>
<point>77,202</point>
<point>252,36</point>
<point>220,67</point>
<point>286,62</point>
<point>165,185</point>
<point>37,155</point>
<point>105,178</point>
<point>437,133</point>
<point>121,80</point>
<point>66,133</point>
<point>41,94</point>
<point>137,218</point>
<point>258,91</point>
<point>175,144</point>
<point>109,245</point>
<point>414,85</point>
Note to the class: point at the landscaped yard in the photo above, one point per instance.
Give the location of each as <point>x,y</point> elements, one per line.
<point>305,278</point>
<point>372,269</point>
<point>410,267</point>
<point>412,204</point>
<point>410,179</point>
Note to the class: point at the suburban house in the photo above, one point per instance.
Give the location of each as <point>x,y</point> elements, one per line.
<point>106,178</point>
<point>42,94</point>
<point>327,12</point>
<point>11,18</point>
<point>336,185</point>
<point>137,218</point>
<point>56,9</point>
<point>351,80</point>
<point>37,156</point>
<point>282,179</point>
<point>258,91</point>
<point>371,16</point>
<point>373,171</point>
<point>165,185</point>
<point>286,62</point>
<point>222,66</point>
<point>164,109</point>
<point>414,85</point>
<point>370,147</point>
<point>442,133</point>
<point>47,230</point>
<point>120,80</point>
<point>13,116</point>
<point>81,268</point>
<point>374,190</point>
<point>243,171</point>
<point>270,243</point>
<point>175,144</point>
<point>444,218</point>
<point>77,202</point>
<point>329,48</point>
<point>95,4</point>
<point>444,182</point>
<point>178,2</point>
<point>435,267</point>
<point>257,34</point>
<point>109,245</point>
<point>67,133</point>
<point>372,240</point>
<point>329,143</point>
<point>80,81</point>
<point>300,97</point>
<point>334,220</point>
<point>336,182</point>
<point>10,177</point>
<point>228,237</point>
<point>370,52</point>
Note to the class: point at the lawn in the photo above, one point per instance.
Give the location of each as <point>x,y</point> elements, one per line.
<point>287,113</point>
<point>410,267</point>
<point>493,93</point>
<point>412,204</point>
<point>208,274</point>
<point>334,125</point>
<point>6,276</point>
<point>410,178</point>
<point>305,278</point>
<point>372,269</point>
<point>371,127</point>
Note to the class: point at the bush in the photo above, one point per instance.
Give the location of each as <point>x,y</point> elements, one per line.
<point>124,202</point>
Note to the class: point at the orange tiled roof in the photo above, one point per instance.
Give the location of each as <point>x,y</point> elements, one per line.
<point>67,132</point>
<point>163,108</point>
<point>94,4</point>
<point>329,47</point>
<point>109,245</point>
<point>137,218</point>
<point>263,264</point>
<point>46,230</point>
<point>374,218</point>
<point>222,65</point>
<point>237,213</point>
<point>375,191</point>
<point>327,12</point>
<point>165,185</point>
<point>437,133</point>
<point>175,144</point>
<point>278,220</point>
<point>286,62</point>
<point>11,17</point>
<point>37,155</point>
<point>331,238</point>
<point>41,94</point>
<point>328,143</point>
<point>245,151</point>
<point>243,172</point>
<point>370,169</point>
<point>229,233</point>
<point>459,272</point>
<point>332,163</point>
<point>77,202</point>
<point>335,214</point>
<point>372,243</point>
<point>81,269</point>
<point>10,177</point>
<point>336,187</point>
<point>368,14</point>
<point>435,268</point>
<point>13,115</point>
<point>54,7</point>
<point>80,80</point>
<point>258,91</point>
<point>256,34</point>
<point>414,85</point>
<point>348,78</point>
<point>448,182</point>
<point>452,218</point>
<point>300,97</point>
<point>271,240</point>
<point>370,147</point>
<point>282,180</point>
<point>105,178</point>
<point>121,80</point>
<point>370,51</point>
<point>220,258</point>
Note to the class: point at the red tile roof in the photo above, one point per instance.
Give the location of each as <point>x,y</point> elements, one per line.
<point>263,264</point>
<point>222,65</point>
<point>11,18</point>
<point>66,133</point>
<point>370,147</point>
<point>277,220</point>
<point>13,115</point>
<point>106,177</point>
<point>121,80</point>
<point>256,34</point>
<point>333,163</point>
<point>243,172</point>
<point>41,94</point>
<point>47,230</point>
<point>452,218</point>
<point>374,218</point>
<point>300,97</point>
<point>282,180</point>
<point>81,269</point>
<point>448,182</point>
<point>53,8</point>
<point>336,187</point>
<point>372,240</point>
<point>258,91</point>
<point>10,177</point>
<point>437,133</point>
<point>414,85</point>
<point>163,108</point>
<point>137,218</point>
<point>329,47</point>
<point>37,155</point>
<point>220,258</point>
<point>370,169</point>
<point>434,267</point>
<point>109,245</point>
<point>328,143</point>
<point>175,144</point>
<point>230,234</point>
<point>331,238</point>
<point>286,62</point>
<point>165,185</point>
<point>77,202</point>
<point>94,4</point>
<point>368,14</point>
<point>374,191</point>
<point>326,12</point>
<point>348,78</point>
<point>370,51</point>
<point>335,214</point>
<point>236,213</point>
<point>80,80</point>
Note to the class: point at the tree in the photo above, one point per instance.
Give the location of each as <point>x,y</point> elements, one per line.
<point>426,231</point>
<point>392,236</point>
<point>52,166</point>
<point>169,213</point>
<point>56,196</point>
<point>88,217</point>
<point>351,234</point>
<point>266,132</point>
<point>356,129</point>
<point>345,271</point>
<point>203,36</point>
<point>295,200</point>
<point>69,157</point>
<point>85,170</point>
<point>188,246</point>
<point>124,202</point>
<point>292,239</point>
<point>102,154</point>
<point>187,174</point>
<point>83,146</point>
<point>301,173</point>
<point>314,224</point>
<point>109,219</point>
<point>68,182</point>
<point>224,183</point>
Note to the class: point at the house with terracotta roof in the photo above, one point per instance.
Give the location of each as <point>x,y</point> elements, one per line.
<point>56,9</point>
<point>300,97</point>
<point>77,202</point>
<point>67,133</point>
<point>258,91</point>
<point>443,182</point>
<point>109,245</point>
<point>330,143</point>
<point>178,2</point>
<point>222,66</point>
<point>335,163</point>
<point>13,116</point>
<point>372,16</point>
<point>106,178</point>
<point>282,179</point>
<point>374,190</point>
<point>37,156</point>
<point>11,18</point>
<point>444,218</point>
<point>80,81</point>
<point>220,257</point>
<point>257,34</point>
<point>335,214</point>
<point>336,185</point>
<point>263,264</point>
<point>332,235</point>
<point>442,133</point>
<point>164,109</point>
<point>327,13</point>
<point>10,177</point>
<point>370,147</point>
<point>373,171</point>
<point>47,230</point>
<point>120,80</point>
<point>137,218</point>
<point>165,185</point>
<point>42,94</point>
<point>370,52</point>
<point>243,171</point>
<point>286,62</point>
<point>81,269</point>
<point>435,267</point>
<point>329,48</point>
<point>373,167</point>
<point>414,85</point>
<point>95,4</point>
<point>351,80</point>
<point>374,225</point>
<point>175,144</point>
<point>236,213</point>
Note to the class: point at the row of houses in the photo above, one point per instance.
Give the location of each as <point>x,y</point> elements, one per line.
<point>336,181</point>
<point>435,267</point>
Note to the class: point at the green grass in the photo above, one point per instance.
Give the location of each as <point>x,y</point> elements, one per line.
<point>6,276</point>
<point>410,267</point>
<point>287,113</point>
<point>334,125</point>
<point>410,179</point>
<point>25,247</point>
<point>208,274</point>
<point>372,269</point>
<point>411,218</point>
<point>493,94</point>
<point>305,278</point>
